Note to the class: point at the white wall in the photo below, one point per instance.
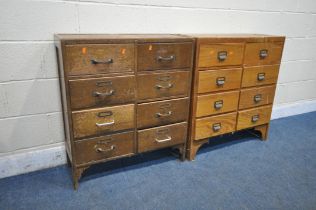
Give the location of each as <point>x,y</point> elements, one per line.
<point>30,110</point>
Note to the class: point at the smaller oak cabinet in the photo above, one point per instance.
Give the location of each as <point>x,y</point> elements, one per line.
<point>234,82</point>
<point>123,95</point>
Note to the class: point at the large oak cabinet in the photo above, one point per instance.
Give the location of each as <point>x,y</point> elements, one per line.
<point>123,95</point>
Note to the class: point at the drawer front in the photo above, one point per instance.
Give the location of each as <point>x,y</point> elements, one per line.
<point>213,126</point>
<point>256,97</point>
<point>99,58</point>
<point>253,117</point>
<point>217,103</point>
<point>263,53</point>
<point>162,113</point>
<point>218,80</point>
<point>163,136</point>
<point>104,147</point>
<point>163,85</point>
<point>260,75</point>
<point>220,55</point>
<point>102,120</point>
<point>164,56</point>
<point>102,91</point>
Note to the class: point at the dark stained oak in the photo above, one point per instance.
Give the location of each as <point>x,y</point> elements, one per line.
<point>162,112</point>
<point>102,120</point>
<point>163,85</point>
<point>96,92</point>
<point>155,56</point>
<point>118,88</point>
<point>99,58</point>
<point>163,136</point>
<point>104,147</point>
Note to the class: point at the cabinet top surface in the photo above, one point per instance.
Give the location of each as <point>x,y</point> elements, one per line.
<point>82,38</point>
<point>119,37</point>
<point>237,37</point>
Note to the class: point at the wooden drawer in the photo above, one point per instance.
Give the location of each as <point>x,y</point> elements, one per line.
<point>162,112</point>
<point>253,117</point>
<point>256,97</point>
<point>102,91</point>
<point>260,75</point>
<point>164,56</point>
<point>263,53</point>
<point>218,80</point>
<point>99,58</point>
<point>163,85</point>
<point>216,125</point>
<point>105,147</point>
<point>163,136</point>
<point>217,103</point>
<point>220,55</point>
<point>102,120</point>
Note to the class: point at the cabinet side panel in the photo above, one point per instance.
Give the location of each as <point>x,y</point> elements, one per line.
<point>65,104</point>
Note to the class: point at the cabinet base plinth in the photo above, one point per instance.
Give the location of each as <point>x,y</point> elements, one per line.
<point>262,129</point>
<point>76,175</point>
<point>179,151</point>
<point>194,147</point>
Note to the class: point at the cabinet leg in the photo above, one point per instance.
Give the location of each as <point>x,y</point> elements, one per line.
<point>194,147</point>
<point>182,152</point>
<point>76,175</point>
<point>263,129</point>
<point>68,161</point>
<point>179,151</point>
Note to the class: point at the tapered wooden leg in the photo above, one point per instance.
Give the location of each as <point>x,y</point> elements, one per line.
<point>194,147</point>
<point>76,175</point>
<point>263,129</point>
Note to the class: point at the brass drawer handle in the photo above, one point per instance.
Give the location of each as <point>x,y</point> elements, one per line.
<point>98,94</point>
<point>217,127</point>
<point>263,53</point>
<point>108,61</point>
<point>164,87</point>
<point>103,83</point>
<point>99,149</point>
<point>163,140</point>
<point>163,114</point>
<point>257,98</point>
<point>218,104</point>
<point>164,78</point>
<point>261,76</point>
<point>105,114</point>
<point>105,124</point>
<point>222,55</point>
<point>255,118</point>
<point>169,58</point>
<point>220,81</point>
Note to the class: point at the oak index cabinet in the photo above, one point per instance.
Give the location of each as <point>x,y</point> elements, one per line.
<point>234,82</point>
<point>123,95</point>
